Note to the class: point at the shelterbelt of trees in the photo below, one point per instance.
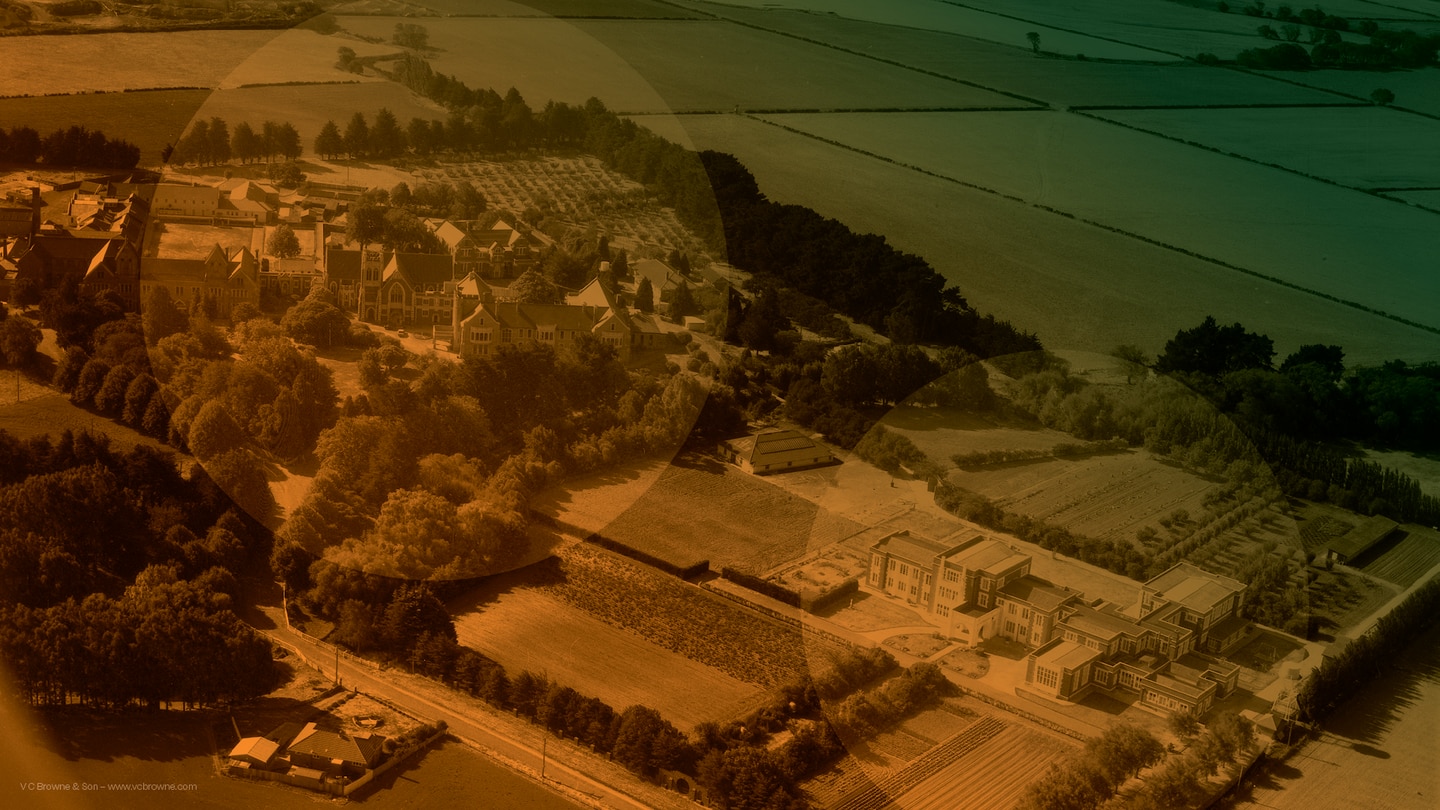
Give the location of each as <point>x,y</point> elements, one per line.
<point>72,146</point>
<point>714,195</point>
<point>117,577</point>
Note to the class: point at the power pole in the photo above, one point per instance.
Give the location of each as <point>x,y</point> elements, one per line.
<point>543,741</point>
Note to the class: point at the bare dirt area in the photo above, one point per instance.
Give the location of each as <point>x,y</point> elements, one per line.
<point>946,432</point>
<point>528,630</point>
<point>177,240</point>
<point>1106,496</point>
<point>702,509</point>
<point>1377,750</point>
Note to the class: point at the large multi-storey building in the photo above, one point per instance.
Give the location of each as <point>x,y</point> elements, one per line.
<point>976,588</point>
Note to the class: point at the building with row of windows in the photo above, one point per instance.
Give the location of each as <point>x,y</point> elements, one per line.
<point>975,587</point>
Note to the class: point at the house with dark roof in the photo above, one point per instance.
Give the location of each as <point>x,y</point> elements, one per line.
<point>777,451</point>
<point>490,248</point>
<point>98,260</point>
<point>333,753</point>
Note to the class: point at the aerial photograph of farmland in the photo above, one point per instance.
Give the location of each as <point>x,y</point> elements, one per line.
<point>745,405</point>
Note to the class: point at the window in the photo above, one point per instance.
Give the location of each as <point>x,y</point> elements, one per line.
<point>912,590</point>
<point>984,600</point>
<point>893,564</point>
<point>1047,677</point>
<point>952,576</point>
<point>904,570</point>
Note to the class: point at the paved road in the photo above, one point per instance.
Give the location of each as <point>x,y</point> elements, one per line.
<point>510,740</point>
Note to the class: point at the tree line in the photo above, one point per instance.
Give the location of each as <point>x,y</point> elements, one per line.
<point>734,763</point>
<point>117,578</point>
<point>717,199</point>
<point>212,142</point>
<point>432,479</point>
<point>69,146</point>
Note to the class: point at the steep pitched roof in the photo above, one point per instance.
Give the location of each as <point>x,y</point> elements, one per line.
<point>420,269</point>
<point>342,264</point>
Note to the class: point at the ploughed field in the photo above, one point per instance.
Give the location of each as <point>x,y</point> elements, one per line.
<point>528,629</point>
<point>673,620</point>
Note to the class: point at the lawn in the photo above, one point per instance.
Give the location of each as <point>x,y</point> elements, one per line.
<point>525,629</point>
<point>1361,147</point>
<point>1077,286</point>
<point>699,509</point>
<point>177,240</point>
<point>1169,192</point>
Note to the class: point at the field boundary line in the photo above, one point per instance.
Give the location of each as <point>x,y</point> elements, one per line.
<point>1111,228</point>
<point>1087,112</point>
<point>872,57</point>
<point>1054,27</point>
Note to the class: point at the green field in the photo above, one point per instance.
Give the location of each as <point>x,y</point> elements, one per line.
<point>172,59</point>
<point>1362,147</point>
<point>735,60</point>
<point>1413,89</point>
<point>1064,82</point>
<point>1340,242</point>
<point>149,120</point>
<point>308,107</point>
<point>970,22</point>
<point>1075,285</point>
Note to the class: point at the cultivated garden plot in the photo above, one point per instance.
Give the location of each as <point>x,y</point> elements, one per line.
<point>1338,241</point>
<point>991,776</point>
<point>970,22</point>
<point>682,618</point>
<point>1077,285</point>
<point>1407,560</point>
<point>525,629</point>
<point>574,190</point>
<point>1362,147</point>
<point>1107,496</point>
<point>1010,69</point>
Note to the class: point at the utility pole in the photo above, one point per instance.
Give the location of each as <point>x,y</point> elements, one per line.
<point>543,741</point>
<point>337,664</point>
